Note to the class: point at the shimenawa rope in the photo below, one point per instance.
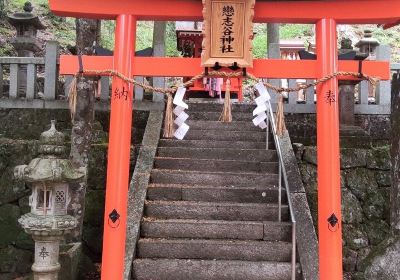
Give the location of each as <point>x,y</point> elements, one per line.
<point>226,115</point>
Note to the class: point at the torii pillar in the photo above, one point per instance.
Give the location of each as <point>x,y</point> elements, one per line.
<point>328,154</point>
<point>119,151</point>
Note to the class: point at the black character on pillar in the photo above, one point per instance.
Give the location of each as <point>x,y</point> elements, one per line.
<point>121,94</point>
<point>330,97</point>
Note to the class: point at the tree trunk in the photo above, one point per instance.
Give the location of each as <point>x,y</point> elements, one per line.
<point>87,34</point>
<point>395,155</point>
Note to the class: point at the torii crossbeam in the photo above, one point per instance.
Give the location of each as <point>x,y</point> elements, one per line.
<point>325,14</point>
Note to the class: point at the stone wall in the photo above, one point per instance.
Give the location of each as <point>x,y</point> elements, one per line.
<point>365,183</point>
<point>302,127</point>
<point>19,131</point>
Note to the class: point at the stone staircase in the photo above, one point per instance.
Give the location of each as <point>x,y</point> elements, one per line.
<point>212,205</point>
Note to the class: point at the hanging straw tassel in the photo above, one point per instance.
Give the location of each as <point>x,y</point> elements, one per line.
<point>72,97</point>
<point>226,115</point>
<point>169,128</point>
<point>280,117</point>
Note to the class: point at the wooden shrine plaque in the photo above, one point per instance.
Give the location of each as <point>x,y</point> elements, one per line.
<point>228,33</point>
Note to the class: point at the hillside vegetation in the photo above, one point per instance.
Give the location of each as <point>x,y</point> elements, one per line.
<point>63,30</point>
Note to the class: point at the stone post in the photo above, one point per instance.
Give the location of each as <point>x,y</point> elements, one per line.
<point>273,51</point>
<point>347,91</point>
<point>346,103</point>
<point>159,50</point>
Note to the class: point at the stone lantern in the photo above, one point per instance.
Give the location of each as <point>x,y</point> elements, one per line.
<point>368,45</point>
<point>48,222</point>
<point>25,43</point>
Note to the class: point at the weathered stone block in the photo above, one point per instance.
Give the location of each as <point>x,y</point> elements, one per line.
<point>362,255</point>
<point>361,181</point>
<point>383,178</point>
<point>379,158</point>
<point>350,158</point>
<point>70,255</point>
<point>298,150</point>
<point>354,237</point>
<point>374,206</point>
<point>309,177</point>
<point>377,231</point>
<point>310,155</point>
<point>383,262</point>
<point>349,260</point>
<point>351,208</point>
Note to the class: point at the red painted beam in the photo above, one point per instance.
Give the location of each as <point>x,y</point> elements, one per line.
<point>189,67</point>
<point>343,11</point>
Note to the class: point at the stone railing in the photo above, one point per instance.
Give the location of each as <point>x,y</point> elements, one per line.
<point>33,82</point>
<point>304,102</point>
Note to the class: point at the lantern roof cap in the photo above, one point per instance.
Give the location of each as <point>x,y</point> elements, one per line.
<point>49,166</point>
<point>367,39</point>
<point>25,18</point>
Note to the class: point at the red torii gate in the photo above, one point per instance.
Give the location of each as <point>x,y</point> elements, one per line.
<point>325,14</point>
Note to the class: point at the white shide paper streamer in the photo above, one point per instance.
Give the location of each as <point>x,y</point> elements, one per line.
<point>181,115</point>
<point>261,109</point>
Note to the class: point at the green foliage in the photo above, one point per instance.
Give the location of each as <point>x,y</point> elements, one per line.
<point>144,35</point>
<point>291,31</point>
<point>171,41</point>
<point>260,46</point>
<point>260,40</point>
<point>107,34</point>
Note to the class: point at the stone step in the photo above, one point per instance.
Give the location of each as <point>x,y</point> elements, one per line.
<point>215,165</point>
<point>226,135</point>
<point>249,250</point>
<point>214,211</point>
<point>219,154</point>
<point>214,144</point>
<point>216,125</point>
<point>212,178</point>
<point>214,193</point>
<point>209,229</point>
<point>176,269</point>
<point>217,107</point>
<point>214,116</point>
